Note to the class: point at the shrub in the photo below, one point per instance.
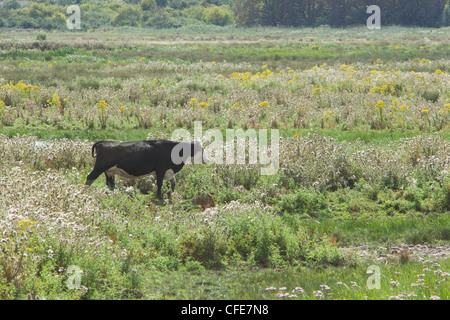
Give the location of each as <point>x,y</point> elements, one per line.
<point>89,83</point>
<point>148,5</point>
<point>219,16</point>
<point>238,175</point>
<point>431,96</point>
<point>126,16</point>
<point>210,248</point>
<point>306,201</point>
<point>325,252</point>
<point>165,263</point>
<point>41,36</point>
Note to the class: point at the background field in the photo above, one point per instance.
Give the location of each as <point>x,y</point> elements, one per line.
<point>364,160</point>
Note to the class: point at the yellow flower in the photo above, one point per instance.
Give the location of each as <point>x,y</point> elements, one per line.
<point>55,100</point>
<point>425,111</point>
<point>193,100</point>
<point>380,104</point>
<point>102,104</point>
<point>264,103</point>
<point>345,67</point>
<point>203,104</point>
<point>328,114</point>
<point>264,67</point>
<point>122,108</point>
<point>26,223</point>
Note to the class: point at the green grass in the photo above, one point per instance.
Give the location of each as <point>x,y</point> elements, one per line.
<point>344,283</point>
<point>382,137</point>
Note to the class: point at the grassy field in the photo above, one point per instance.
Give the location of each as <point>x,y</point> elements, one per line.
<point>363,182</point>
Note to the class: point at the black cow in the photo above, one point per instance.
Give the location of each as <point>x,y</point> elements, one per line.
<point>135,159</point>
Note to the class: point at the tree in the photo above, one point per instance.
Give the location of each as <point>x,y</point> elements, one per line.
<point>248,12</point>
<point>148,5</point>
<point>446,16</point>
<point>219,16</point>
<point>127,16</point>
<point>11,4</point>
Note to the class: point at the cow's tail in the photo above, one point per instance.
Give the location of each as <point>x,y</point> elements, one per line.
<point>94,149</point>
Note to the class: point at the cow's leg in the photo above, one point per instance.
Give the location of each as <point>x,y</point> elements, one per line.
<point>159,183</point>
<point>172,184</point>
<point>110,180</point>
<point>96,172</point>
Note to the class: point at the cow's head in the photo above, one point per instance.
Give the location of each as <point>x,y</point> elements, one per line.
<point>189,152</point>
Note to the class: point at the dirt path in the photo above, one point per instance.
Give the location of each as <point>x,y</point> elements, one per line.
<point>413,253</point>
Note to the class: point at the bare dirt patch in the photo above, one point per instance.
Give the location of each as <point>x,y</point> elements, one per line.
<point>396,253</point>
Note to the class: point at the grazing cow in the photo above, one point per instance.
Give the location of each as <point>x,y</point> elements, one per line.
<point>135,159</point>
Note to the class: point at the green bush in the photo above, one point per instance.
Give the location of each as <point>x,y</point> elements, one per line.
<point>88,83</point>
<point>219,16</point>
<point>324,251</point>
<point>306,201</point>
<point>165,263</point>
<point>210,248</point>
<point>161,19</point>
<point>41,36</point>
<point>127,16</point>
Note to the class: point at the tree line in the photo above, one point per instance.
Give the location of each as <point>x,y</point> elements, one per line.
<point>341,13</point>
<point>51,14</point>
